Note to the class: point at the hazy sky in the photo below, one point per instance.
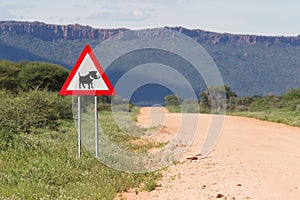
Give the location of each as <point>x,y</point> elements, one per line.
<point>264,17</point>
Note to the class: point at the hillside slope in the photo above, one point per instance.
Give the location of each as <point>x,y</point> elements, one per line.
<point>250,64</point>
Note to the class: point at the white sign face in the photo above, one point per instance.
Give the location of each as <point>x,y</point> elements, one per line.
<point>87,77</point>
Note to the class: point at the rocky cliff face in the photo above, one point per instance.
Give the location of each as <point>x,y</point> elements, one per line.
<point>216,38</point>
<point>51,32</point>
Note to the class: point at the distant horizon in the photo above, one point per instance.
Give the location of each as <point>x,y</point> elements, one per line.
<point>87,25</point>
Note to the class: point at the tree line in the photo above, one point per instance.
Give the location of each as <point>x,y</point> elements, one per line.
<point>28,75</point>
<point>221,98</point>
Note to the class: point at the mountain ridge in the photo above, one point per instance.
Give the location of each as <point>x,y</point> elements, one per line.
<point>76,31</point>
<point>53,31</point>
<point>250,64</point>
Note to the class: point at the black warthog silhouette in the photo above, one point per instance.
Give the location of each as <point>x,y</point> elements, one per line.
<point>88,79</point>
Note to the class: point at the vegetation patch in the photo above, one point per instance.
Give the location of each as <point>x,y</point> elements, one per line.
<point>40,161</point>
<point>38,140</point>
<point>275,108</point>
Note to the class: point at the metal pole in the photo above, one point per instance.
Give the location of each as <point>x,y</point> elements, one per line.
<point>96,127</point>
<point>79,127</point>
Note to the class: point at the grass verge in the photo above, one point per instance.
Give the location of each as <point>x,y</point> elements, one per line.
<point>45,166</point>
<point>283,116</point>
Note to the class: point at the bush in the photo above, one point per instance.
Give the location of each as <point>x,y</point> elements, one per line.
<point>9,75</point>
<point>298,107</point>
<point>6,140</point>
<point>292,94</point>
<point>29,75</point>
<point>216,98</point>
<point>149,186</point>
<point>172,100</point>
<point>42,75</point>
<point>28,111</point>
<point>260,104</point>
<point>293,105</point>
<point>241,108</point>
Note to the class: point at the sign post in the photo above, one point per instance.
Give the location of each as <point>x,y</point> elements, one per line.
<point>96,127</point>
<point>87,78</point>
<point>79,126</point>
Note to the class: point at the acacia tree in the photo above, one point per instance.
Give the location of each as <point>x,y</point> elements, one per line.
<point>172,100</point>
<point>9,75</point>
<point>213,96</point>
<point>42,75</point>
<point>29,75</point>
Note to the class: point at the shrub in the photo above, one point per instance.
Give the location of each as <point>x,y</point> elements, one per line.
<point>150,185</point>
<point>241,108</point>
<point>9,75</point>
<point>298,107</point>
<point>260,104</point>
<point>6,140</point>
<point>292,94</point>
<point>27,111</point>
<point>172,100</point>
<point>216,97</point>
<point>42,75</point>
<point>293,105</point>
<point>29,75</point>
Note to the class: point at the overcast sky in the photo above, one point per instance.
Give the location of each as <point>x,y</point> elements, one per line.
<point>263,17</point>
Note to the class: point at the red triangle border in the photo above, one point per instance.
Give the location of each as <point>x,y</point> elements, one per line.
<point>64,92</point>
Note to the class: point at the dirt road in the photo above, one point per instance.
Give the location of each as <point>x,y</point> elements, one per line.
<point>252,160</point>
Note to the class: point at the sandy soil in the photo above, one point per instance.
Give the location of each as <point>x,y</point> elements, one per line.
<point>252,160</point>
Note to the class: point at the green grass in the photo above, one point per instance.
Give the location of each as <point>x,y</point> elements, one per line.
<point>183,108</point>
<point>284,116</point>
<point>149,186</point>
<point>45,165</point>
<point>124,146</point>
<point>173,108</point>
<point>125,134</point>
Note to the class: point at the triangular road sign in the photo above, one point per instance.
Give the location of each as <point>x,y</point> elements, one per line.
<point>87,77</point>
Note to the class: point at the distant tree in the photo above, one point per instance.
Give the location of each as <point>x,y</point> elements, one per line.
<point>260,104</point>
<point>245,101</point>
<point>229,93</point>
<point>104,99</point>
<point>29,75</point>
<point>9,75</point>
<point>216,97</point>
<point>240,104</point>
<point>42,75</point>
<point>172,100</point>
<point>292,94</point>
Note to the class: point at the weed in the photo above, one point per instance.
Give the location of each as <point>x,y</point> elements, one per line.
<point>149,186</point>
